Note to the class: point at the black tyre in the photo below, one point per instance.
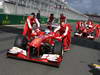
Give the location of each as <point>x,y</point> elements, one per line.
<point>84,35</point>
<point>94,33</point>
<point>46,48</point>
<point>21,42</point>
<point>58,48</point>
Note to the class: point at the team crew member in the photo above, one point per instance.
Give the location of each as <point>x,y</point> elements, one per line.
<point>97,30</point>
<point>38,16</point>
<point>28,28</point>
<point>65,34</point>
<point>50,21</point>
<point>62,18</point>
<point>79,25</point>
<point>79,28</point>
<point>89,24</point>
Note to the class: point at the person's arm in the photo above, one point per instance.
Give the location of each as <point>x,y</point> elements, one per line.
<point>37,22</point>
<point>48,19</point>
<point>57,29</point>
<point>66,32</point>
<point>59,20</point>
<point>29,24</point>
<point>53,20</point>
<point>90,26</point>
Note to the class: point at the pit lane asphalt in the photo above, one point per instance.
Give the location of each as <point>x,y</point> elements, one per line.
<point>83,52</point>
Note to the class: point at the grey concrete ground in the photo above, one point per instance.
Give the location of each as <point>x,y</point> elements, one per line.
<point>83,52</point>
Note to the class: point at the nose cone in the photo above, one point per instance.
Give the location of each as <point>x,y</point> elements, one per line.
<point>36,42</point>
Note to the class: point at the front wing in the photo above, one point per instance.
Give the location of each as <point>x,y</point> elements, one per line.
<point>36,59</point>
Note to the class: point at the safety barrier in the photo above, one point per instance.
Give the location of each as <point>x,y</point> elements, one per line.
<point>8,19</point>
<point>11,19</point>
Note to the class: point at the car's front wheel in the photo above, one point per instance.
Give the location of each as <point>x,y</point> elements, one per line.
<point>58,48</point>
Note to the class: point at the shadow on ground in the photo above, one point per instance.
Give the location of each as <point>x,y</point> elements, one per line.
<point>95,72</point>
<point>98,60</point>
<point>86,43</point>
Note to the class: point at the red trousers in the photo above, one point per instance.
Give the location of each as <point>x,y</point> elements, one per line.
<point>98,31</point>
<point>27,31</point>
<point>67,41</point>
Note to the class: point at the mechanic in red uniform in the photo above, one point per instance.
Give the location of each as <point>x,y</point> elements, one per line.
<point>50,21</point>
<point>89,24</point>
<point>65,34</point>
<point>28,28</point>
<point>62,18</point>
<point>79,25</point>
<point>97,30</point>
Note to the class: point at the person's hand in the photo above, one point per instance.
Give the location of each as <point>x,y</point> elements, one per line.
<point>37,30</point>
<point>59,37</point>
<point>34,33</point>
<point>52,33</point>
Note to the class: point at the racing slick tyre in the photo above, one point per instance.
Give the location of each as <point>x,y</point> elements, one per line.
<point>58,48</point>
<point>21,42</point>
<point>94,34</point>
<point>46,48</point>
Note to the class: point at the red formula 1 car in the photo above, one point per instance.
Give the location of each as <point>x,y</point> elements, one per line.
<point>88,32</point>
<point>45,48</point>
